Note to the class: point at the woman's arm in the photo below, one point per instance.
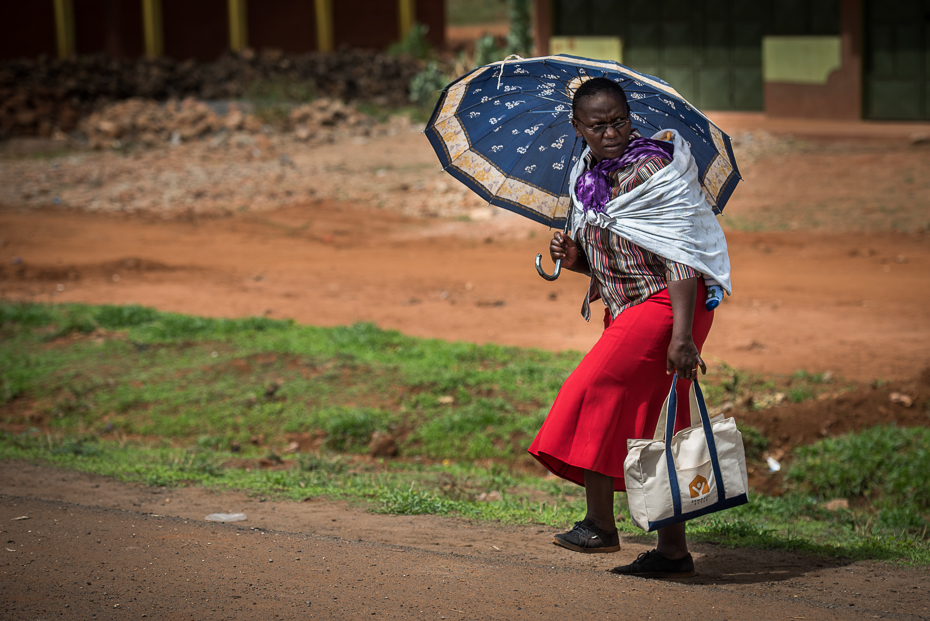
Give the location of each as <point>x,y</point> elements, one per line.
<point>683,355</point>
<point>564,247</point>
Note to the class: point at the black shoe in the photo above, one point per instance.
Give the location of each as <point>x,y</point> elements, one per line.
<point>653,564</point>
<point>587,538</point>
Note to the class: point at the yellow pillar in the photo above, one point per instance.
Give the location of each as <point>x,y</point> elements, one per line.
<point>238,25</point>
<point>324,25</point>
<point>64,27</point>
<point>152,28</point>
<point>406,11</point>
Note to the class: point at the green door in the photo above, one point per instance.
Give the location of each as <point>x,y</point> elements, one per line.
<point>897,60</point>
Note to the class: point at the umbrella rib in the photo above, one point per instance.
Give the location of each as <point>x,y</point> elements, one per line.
<point>549,66</point>
<point>507,176</point>
<point>561,69</point>
<point>538,79</point>
<point>459,111</point>
<point>550,99</point>
<point>564,176</point>
<point>526,93</point>
<point>521,92</point>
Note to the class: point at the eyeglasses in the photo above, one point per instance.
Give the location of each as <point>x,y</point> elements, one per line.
<point>602,127</point>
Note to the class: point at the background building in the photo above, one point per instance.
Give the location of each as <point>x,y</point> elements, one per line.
<point>843,59</point>
<point>840,59</point>
<point>204,29</point>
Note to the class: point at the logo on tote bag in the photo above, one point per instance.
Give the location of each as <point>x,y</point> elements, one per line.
<point>699,487</point>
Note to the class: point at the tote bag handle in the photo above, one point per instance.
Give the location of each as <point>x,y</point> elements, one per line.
<point>669,415</point>
<point>671,400</point>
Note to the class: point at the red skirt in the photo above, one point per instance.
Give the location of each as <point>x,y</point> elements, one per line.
<point>616,392</point>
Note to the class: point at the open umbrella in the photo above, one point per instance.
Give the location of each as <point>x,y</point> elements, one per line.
<point>504,130</point>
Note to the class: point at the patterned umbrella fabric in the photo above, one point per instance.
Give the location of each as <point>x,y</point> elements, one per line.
<point>504,130</point>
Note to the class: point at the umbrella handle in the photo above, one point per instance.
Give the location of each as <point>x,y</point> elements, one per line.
<point>542,272</point>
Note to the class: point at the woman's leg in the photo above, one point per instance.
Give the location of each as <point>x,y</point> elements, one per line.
<point>673,542</point>
<point>597,532</point>
<point>599,494</point>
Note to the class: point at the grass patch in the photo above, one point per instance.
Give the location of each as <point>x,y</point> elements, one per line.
<point>139,372</point>
<point>167,399</point>
<point>754,442</point>
<point>884,467</point>
<point>757,392</point>
<point>274,98</point>
<point>280,91</point>
<point>798,522</point>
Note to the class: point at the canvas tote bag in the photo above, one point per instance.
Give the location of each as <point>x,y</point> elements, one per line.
<point>679,476</point>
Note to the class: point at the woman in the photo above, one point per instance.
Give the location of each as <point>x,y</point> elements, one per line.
<point>644,233</point>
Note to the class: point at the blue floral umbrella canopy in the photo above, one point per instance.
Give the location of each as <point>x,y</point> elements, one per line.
<point>504,130</point>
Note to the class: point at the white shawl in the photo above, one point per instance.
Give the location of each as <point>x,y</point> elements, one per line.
<point>667,215</point>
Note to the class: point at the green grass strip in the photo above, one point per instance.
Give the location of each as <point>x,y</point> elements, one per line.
<point>165,399</point>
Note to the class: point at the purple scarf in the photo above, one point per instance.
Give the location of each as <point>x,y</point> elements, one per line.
<point>593,186</point>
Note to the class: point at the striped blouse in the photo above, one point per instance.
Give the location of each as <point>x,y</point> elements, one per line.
<point>622,273</point>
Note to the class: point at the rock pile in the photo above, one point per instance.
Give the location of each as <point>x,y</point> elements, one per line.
<point>324,116</point>
<point>38,97</point>
<point>148,122</point>
<point>231,172</point>
<point>37,112</point>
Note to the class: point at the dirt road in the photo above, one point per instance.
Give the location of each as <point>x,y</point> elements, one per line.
<point>85,547</point>
<point>856,305</point>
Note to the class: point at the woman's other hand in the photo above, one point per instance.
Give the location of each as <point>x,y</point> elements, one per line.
<point>684,359</point>
<point>564,247</point>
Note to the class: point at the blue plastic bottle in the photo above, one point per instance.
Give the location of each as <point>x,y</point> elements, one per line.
<point>714,296</point>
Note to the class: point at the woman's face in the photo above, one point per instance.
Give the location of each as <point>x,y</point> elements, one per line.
<point>603,121</point>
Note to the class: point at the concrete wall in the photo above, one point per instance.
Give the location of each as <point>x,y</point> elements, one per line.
<point>841,96</point>
<point>288,25</point>
<point>432,13</point>
<point>199,29</point>
<point>375,24</point>
<point>27,30</point>
<point>113,27</point>
<point>371,24</point>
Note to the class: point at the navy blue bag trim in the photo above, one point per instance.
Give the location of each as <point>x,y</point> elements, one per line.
<point>722,501</point>
<point>729,503</point>
<point>669,432</point>
<point>711,443</point>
